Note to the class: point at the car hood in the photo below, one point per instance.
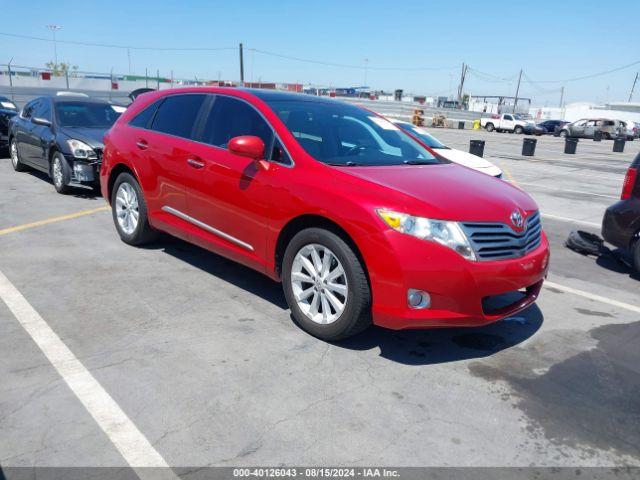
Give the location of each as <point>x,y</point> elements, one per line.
<point>447,192</point>
<point>91,136</point>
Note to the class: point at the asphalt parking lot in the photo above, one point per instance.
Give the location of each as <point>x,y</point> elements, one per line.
<point>203,359</point>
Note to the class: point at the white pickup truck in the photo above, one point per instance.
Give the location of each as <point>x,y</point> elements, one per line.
<point>506,122</point>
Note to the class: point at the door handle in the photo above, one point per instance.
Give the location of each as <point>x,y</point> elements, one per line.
<point>196,163</point>
<point>142,144</point>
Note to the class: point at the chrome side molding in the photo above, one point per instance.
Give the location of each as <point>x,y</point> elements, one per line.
<point>206,227</point>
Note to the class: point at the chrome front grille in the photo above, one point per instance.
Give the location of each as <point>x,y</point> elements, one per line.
<point>498,241</point>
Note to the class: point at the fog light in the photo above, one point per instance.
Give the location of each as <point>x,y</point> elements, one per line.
<point>418,299</point>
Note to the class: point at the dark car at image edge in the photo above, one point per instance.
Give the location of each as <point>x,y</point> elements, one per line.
<point>621,223</point>
<point>62,136</point>
<point>8,110</point>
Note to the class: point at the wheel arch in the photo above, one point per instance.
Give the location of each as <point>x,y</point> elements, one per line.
<point>113,175</point>
<point>305,221</point>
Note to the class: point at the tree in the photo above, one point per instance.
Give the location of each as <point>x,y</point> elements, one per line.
<point>60,69</point>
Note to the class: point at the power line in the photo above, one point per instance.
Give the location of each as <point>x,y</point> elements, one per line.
<point>109,45</point>
<point>593,75</point>
<point>488,77</point>
<point>344,65</point>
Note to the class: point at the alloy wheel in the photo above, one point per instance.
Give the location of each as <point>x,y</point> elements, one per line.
<point>58,177</point>
<point>127,210</point>
<point>14,154</point>
<point>319,283</point>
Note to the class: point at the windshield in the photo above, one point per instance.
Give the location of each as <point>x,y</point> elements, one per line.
<point>421,134</point>
<point>339,134</point>
<point>87,115</point>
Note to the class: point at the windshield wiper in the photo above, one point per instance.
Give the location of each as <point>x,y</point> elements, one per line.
<point>346,164</point>
<point>417,162</point>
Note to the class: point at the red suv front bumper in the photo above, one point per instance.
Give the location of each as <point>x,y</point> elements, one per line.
<point>461,291</point>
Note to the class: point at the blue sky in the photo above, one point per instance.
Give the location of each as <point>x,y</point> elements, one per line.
<point>549,40</point>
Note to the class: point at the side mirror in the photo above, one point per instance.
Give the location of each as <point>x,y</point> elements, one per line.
<point>40,121</point>
<point>247,146</point>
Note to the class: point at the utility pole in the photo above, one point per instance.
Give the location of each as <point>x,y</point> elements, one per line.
<point>241,67</point>
<point>515,102</point>
<point>11,79</point>
<point>54,28</point>
<point>633,87</point>
<point>366,66</point>
<point>561,96</point>
<point>129,59</point>
<point>460,85</point>
<point>463,77</point>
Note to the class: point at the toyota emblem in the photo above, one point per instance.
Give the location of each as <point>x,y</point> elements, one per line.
<point>516,219</point>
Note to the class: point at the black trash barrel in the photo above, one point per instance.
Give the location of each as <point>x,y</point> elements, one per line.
<point>529,147</point>
<point>476,147</point>
<point>460,125</point>
<point>570,145</point>
<point>618,145</point>
<point>597,136</point>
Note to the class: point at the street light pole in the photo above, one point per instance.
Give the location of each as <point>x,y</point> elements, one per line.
<point>54,28</point>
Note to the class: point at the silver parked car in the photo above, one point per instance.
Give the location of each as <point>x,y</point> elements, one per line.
<point>586,128</point>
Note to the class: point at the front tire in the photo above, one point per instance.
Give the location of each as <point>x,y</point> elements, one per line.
<point>564,133</point>
<point>16,163</point>
<point>129,211</point>
<point>636,255</point>
<point>60,173</point>
<point>325,285</point>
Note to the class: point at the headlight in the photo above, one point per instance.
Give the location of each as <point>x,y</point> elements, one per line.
<point>449,234</point>
<point>81,150</point>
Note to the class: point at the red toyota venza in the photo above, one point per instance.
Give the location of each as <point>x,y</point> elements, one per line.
<point>360,222</point>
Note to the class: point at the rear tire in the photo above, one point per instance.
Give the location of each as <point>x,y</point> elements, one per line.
<point>519,130</point>
<point>489,127</point>
<point>311,259</point>
<point>636,255</point>
<point>60,173</point>
<point>129,211</point>
<point>564,133</point>
<point>16,163</point>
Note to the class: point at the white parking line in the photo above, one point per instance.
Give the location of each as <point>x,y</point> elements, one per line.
<point>571,220</point>
<point>130,442</point>
<point>591,296</point>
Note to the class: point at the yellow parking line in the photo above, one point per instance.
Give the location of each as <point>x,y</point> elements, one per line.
<point>509,176</point>
<point>47,221</point>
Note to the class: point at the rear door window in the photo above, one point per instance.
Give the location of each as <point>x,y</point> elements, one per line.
<point>229,118</point>
<point>177,115</point>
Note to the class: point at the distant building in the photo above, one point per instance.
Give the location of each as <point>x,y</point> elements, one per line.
<point>571,112</point>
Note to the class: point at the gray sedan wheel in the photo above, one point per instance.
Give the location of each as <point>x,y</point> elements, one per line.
<point>17,165</point>
<point>60,173</point>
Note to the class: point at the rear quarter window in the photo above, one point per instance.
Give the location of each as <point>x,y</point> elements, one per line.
<point>143,119</point>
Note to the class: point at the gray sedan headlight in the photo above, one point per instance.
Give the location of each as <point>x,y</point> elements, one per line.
<point>446,233</point>
<point>81,150</point>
